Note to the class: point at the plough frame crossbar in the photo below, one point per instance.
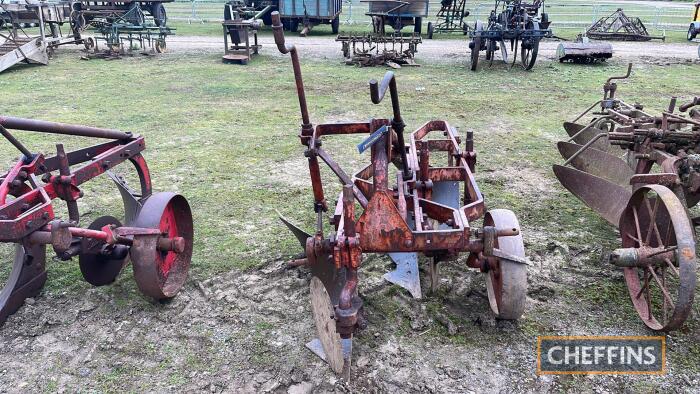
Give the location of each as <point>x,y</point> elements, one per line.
<point>421,213</point>
<point>402,238</point>
<point>157,235</point>
<point>641,173</point>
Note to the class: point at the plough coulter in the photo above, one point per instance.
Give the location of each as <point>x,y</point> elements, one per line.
<point>641,173</point>
<point>428,209</point>
<point>157,235</point>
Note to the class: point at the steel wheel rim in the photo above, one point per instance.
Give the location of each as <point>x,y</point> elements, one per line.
<point>162,274</point>
<point>670,228</point>
<point>506,285</point>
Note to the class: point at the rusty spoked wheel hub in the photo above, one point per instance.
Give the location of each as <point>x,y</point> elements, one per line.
<point>160,273</point>
<point>658,257</point>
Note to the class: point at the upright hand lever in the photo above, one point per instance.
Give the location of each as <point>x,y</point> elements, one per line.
<point>377,92</point>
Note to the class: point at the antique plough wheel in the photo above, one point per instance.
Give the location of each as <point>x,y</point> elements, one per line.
<point>506,281</point>
<point>659,245</point>
<point>161,274</point>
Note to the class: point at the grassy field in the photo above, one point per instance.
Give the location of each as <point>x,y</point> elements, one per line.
<point>219,135</point>
<point>226,138</point>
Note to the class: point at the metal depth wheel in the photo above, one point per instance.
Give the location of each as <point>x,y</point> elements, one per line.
<point>655,224</point>
<point>476,45</point>
<point>26,279</point>
<point>506,281</point>
<point>529,48</point>
<point>101,265</point>
<point>324,313</point>
<point>162,274</point>
<point>160,45</point>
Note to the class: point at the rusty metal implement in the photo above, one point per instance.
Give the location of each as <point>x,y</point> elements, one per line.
<point>426,209</point>
<point>157,234</point>
<point>641,173</point>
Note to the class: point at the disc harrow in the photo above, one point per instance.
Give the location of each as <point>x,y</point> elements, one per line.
<point>641,173</point>
<point>426,209</point>
<point>156,236</point>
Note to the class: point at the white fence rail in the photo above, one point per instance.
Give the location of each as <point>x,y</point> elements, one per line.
<point>563,14</point>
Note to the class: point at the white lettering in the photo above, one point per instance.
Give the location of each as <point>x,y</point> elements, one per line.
<point>586,355</point>
<point>636,354</point>
<point>649,353</point>
<point>568,355</point>
<point>550,355</point>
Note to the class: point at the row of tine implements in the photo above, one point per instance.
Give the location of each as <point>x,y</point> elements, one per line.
<point>157,236</point>
<point>428,210</point>
<point>641,173</point>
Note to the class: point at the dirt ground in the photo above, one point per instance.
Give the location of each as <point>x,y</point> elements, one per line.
<point>245,331</point>
<point>450,51</point>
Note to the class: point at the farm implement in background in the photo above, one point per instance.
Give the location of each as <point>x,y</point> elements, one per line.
<point>619,27</point>
<point>369,50</point>
<point>450,18</point>
<point>157,235</point>
<point>20,43</point>
<point>583,51</point>
<point>428,210</point>
<point>123,26</point>
<point>641,173</point>
<point>379,48</point>
<point>241,23</point>
<point>513,21</point>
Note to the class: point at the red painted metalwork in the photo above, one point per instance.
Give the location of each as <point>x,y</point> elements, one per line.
<point>401,217</point>
<point>29,219</point>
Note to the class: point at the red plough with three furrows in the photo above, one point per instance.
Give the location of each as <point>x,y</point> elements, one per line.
<point>157,235</point>
<point>428,210</point>
<point>641,172</point>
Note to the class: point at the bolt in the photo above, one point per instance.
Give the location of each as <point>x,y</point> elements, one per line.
<point>408,243</point>
<point>46,178</point>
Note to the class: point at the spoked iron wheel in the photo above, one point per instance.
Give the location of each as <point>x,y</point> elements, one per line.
<point>529,48</point>
<point>161,274</point>
<point>659,256</point>
<point>506,282</point>
<point>475,53</point>
<point>476,46</point>
<point>25,280</point>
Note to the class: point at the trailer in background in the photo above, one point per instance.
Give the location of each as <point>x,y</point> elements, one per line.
<point>309,13</point>
<point>397,14</point>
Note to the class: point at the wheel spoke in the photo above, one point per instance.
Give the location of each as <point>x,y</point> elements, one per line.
<point>663,288</point>
<point>652,221</point>
<point>635,239</point>
<point>646,284</point>
<point>636,224</point>
<point>673,267</point>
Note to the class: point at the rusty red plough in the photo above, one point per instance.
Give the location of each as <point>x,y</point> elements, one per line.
<point>641,173</point>
<point>157,236</point>
<point>428,210</point>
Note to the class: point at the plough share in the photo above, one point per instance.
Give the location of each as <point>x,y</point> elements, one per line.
<point>641,173</point>
<point>428,210</point>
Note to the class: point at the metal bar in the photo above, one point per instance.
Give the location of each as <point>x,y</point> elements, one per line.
<point>62,128</point>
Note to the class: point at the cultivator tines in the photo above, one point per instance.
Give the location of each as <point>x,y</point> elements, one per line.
<point>620,27</point>
<point>373,50</point>
<point>428,210</point>
<point>513,21</point>
<point>157,232</point>
<point>124,29</point>
<point>641,172</point>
